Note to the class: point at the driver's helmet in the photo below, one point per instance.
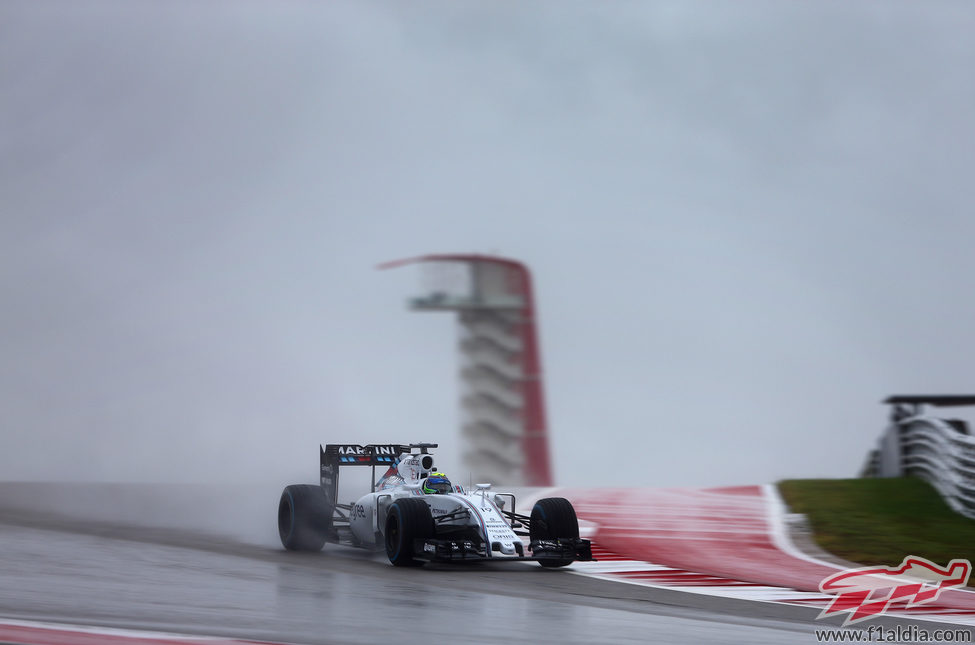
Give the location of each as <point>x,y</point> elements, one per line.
<point>437,484</point>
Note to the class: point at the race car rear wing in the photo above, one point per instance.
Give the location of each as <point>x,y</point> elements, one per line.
<point>334,455</point>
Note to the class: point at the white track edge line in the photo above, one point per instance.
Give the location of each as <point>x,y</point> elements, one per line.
<point>113,631</point>
<point>779,532</point>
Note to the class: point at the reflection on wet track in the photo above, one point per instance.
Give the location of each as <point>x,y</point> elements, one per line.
<point>339,596</point>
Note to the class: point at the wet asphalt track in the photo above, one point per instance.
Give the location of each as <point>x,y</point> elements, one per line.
<point>59,564</point>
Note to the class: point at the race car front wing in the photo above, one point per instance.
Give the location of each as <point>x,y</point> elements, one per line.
<point>562,549</point>
<point>554,549</point>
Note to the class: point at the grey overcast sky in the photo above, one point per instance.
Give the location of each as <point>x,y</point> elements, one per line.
<point>748,222</point>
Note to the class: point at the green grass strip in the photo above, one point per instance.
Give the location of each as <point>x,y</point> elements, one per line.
<point>879,521</point>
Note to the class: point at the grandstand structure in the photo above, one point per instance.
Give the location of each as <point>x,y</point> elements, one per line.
<point>503,423</point>
<point>937,449</point>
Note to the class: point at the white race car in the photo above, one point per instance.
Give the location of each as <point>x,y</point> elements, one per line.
<point>417,515</point>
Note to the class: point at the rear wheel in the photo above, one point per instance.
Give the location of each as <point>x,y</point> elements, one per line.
<point>553,518</point>
<point>304,517</point>
<point>408,520</point>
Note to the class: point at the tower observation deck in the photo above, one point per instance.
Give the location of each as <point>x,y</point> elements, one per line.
<point>503,422</point>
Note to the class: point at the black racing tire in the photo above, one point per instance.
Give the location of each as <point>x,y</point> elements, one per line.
<point>553,518</point>
<point>304,517</point>
<point>409,519</point>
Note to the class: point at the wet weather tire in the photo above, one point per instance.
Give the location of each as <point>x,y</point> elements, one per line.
<point>304,517</point>
<point>553,518</point>
<point>408,520</point>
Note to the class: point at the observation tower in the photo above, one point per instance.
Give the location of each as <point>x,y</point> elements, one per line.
<point>503,424</point>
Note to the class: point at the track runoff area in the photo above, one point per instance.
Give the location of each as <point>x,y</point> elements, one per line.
<point>728,542</point>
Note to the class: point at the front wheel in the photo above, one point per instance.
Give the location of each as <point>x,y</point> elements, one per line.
<point>553,518</point>
<point>409,519</point>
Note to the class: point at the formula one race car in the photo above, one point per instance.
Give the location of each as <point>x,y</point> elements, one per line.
<point>417,515</point>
